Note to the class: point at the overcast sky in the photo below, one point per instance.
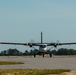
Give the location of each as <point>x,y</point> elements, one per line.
<point>23,21</point>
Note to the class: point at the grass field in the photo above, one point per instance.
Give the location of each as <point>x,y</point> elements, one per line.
<point>31,71</point>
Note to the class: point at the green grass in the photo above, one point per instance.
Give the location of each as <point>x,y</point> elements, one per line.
<point>31,71</point>
<point>9,63</point>
<point>28,71</point>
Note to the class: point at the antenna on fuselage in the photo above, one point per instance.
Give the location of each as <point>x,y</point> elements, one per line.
<point>41,37</point>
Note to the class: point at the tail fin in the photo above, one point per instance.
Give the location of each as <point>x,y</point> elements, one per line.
<point>41,37</point>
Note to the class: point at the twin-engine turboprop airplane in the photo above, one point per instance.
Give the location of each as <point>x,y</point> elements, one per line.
<point>42,46</point>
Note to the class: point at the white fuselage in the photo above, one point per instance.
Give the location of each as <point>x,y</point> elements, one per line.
<point>43,48</point>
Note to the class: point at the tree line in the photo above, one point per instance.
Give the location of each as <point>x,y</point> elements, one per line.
<point>15,52</point>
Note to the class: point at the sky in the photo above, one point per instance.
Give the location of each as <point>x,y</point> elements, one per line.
<point>24,20</point>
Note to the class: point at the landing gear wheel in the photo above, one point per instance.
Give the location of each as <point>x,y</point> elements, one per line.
<point>43,55</point>
<point>50,55</point>
<point>34,55</point>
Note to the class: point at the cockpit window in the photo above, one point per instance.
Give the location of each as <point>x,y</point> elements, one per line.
<point>43,46</point>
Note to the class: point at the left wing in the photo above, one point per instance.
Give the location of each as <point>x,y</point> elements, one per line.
<point>27,44</point>
<point>13,43</point>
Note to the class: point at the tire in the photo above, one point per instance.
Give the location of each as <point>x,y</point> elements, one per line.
<point>50,55</point>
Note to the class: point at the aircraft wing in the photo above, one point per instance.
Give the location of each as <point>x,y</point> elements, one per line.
<point>38,44</point>
<point>50,44</point>
<point>58,44</point>
<point>27,44</point>
<point>13,43</point>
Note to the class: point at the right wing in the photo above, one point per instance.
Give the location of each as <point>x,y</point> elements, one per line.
<point>58,44</point>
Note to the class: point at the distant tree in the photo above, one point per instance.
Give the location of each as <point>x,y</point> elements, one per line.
<point>13,52</point>
<point>26,52</point>
<point>36,51</point>
<point>54,52</point>
<point>65,51</point>
<point>3,53</point>
<point>31,52</point>
<point>62,51</point>
<point>72,52</point>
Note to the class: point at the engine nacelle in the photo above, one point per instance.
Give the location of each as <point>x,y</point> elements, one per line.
<point>30,45</point>
<point>55,45</point>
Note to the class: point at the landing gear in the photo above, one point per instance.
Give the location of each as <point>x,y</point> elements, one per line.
<point>43,55</point>
<point>34,55</point>
<point>50,55</point>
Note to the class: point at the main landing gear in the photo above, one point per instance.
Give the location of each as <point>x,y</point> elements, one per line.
<point>34,55</point>
<point>43,54</point>
<point>49,55</point>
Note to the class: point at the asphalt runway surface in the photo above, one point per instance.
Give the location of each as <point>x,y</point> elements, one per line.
<point>56,62</point>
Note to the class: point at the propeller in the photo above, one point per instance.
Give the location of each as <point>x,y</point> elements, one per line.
<point>56,43</point>
<point>30,43</point>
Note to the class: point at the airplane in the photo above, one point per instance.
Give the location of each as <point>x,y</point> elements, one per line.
<point>42,46</point>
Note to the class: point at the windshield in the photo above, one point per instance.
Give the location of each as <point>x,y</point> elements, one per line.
<point>43,46</point>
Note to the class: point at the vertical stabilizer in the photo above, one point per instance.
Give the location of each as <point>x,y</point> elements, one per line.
<point>41,37</point>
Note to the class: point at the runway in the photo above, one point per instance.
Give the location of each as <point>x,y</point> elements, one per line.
<point>57,62</point>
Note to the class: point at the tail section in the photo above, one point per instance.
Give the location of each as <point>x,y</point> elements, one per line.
<point>41,37</point>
